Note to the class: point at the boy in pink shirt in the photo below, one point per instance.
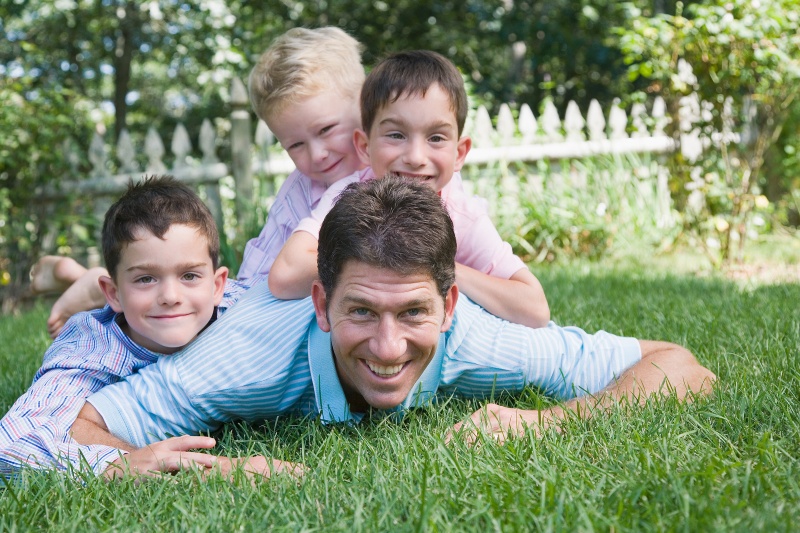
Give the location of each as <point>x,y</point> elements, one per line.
<point>413,109</point>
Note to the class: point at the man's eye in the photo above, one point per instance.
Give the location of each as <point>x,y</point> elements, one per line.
<point>415,312</point>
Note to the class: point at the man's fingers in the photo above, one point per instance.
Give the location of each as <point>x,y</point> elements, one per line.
<point>187,442</point>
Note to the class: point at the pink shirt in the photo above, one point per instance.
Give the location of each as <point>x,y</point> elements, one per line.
<point>479,245</point>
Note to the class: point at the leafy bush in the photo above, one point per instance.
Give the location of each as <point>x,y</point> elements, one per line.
<point>35,127</point>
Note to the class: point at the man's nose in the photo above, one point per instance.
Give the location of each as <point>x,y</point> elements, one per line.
<point>388,345</point>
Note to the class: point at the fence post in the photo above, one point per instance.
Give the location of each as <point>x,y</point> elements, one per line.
<point>241,146</point>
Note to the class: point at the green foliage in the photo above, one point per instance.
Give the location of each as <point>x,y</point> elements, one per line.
<point>660,467</point>
<point>36,128</point>
<point>745,58</point>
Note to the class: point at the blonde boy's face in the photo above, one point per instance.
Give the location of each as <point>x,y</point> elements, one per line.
<point>415,136</point>
<point>166,288</point>
<point>317,133</point>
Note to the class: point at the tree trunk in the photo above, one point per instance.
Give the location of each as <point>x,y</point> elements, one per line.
<point>123,56</point>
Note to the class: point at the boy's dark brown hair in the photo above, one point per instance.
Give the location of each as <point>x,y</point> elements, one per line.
<point>154,204</point>
<point>412,73</point>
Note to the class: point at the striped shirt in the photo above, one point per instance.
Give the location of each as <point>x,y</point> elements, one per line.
<point>266,357</point>
<point>91,352</point>
<point>296,198</point>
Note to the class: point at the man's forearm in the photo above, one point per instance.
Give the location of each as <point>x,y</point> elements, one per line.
<point>90,428</point>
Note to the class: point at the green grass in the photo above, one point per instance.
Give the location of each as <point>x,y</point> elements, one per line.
<point>728,463</point>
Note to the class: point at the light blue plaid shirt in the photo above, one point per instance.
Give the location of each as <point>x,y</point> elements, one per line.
<point>267,357</point>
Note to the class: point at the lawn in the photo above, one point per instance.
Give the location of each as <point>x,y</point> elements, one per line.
<point>728,462</point>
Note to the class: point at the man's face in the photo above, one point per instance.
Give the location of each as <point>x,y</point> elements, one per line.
<point>415,136</point>
<point>384,331</point>
<point>166,288</point>
<point>317,133</point>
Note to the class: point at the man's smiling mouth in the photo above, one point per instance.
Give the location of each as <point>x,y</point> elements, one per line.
<point>385,371</point>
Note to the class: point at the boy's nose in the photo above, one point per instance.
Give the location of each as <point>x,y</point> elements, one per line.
<point>169,293</point>
<point>415,154</point>
<point>318,152</point>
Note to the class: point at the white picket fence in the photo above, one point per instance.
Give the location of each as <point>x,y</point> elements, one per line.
<point>525,138</point>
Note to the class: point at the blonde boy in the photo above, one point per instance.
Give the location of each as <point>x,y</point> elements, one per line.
<point>413,108</point>
<point>306,87</point>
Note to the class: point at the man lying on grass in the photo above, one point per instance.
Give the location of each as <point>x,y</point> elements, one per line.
<point>386,332</point>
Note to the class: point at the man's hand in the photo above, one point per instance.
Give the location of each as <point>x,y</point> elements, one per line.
<point>173,455</point>
<point>166,456</point>
<point>501,423</point>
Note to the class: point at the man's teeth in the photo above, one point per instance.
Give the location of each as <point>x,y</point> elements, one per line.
<point>384,371</point>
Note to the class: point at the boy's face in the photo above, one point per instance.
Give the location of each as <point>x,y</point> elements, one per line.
<point>166,288</point>
<point>317,133</point>
<point>415,136</point>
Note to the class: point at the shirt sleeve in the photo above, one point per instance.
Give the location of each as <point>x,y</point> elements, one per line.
<point>485,354</point>
<point>35,431</point>
<point>479,244</point>
<point>292,203</point>
<point>312,223</point>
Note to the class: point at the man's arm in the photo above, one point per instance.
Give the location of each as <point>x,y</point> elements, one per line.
<point>170,455</point>
<point>663,370</point>
<point>519,299</point>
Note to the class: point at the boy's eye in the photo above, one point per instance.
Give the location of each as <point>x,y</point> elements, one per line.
<point>395,135</point>
<point>294,146</point>
<point>190,276</point>
<point>145,279</point>
<point>437,138</point>
<point>326,129</point>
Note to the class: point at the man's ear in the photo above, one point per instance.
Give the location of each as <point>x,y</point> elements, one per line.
<point>361,142</point>
<point>111,292</point>
<point>450,307</point>
<point>320,305</point>
<point>462,149</point>
<point>220,277</point>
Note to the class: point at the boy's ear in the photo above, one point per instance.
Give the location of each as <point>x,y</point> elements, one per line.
<point>361,141</point>
<point>111,293</point>
<point>220,277</point>
<point>320,305</point>
<point>462,149</point>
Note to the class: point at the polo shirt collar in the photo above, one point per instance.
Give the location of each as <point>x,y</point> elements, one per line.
<point>329,395</point>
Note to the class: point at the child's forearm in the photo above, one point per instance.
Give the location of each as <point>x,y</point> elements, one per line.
<point>519,299</point>
<point>295,268</point>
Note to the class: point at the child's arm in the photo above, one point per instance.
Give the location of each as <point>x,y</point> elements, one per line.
<point>295,268</point>
<point>519,299</point>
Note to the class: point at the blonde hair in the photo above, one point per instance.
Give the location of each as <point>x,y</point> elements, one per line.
<point>302,63</point>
